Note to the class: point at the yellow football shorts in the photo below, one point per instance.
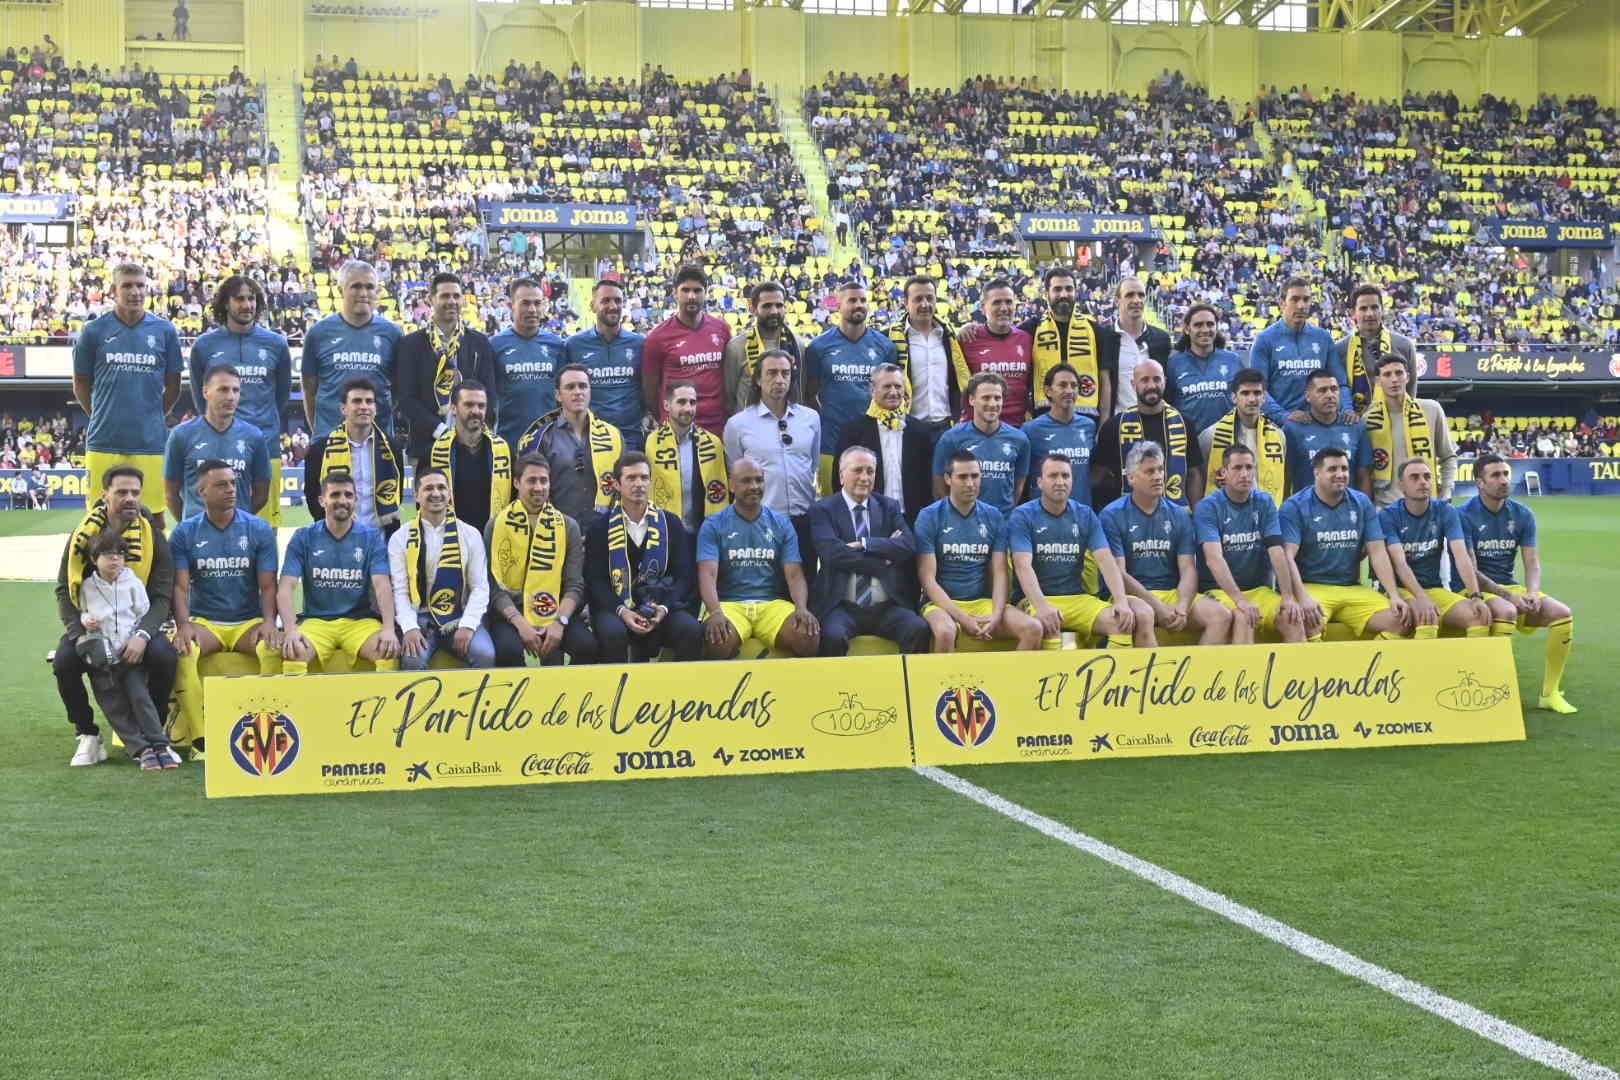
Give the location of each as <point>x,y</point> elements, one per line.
<point>231,633</point>
<point>985,607</point>
<point>1080,613</point>
<point>333,636</point>
<point>1443,599</point>
<point>97,463</point>
<point>1185,636</point>
<point>1348,605</point>
<point>1524,627</point>
<point>761,620</point>
<point>1264,597</point>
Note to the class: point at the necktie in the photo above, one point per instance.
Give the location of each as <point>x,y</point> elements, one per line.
<point>863,584</point>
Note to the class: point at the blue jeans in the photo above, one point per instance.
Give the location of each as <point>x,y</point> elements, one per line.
<point>480,652</point>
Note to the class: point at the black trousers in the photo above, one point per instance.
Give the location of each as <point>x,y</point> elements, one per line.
<point>578,643</point>
<point>894,621</point>
<point>679,631</point>
<point>159,662</point>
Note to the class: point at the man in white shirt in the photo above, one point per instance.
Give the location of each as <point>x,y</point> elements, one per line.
<point>927,351</point>
<point>439,601</point>
<point>1137,340</point>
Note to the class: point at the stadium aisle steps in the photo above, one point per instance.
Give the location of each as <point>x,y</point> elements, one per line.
<point>287,232</point>
<point>807,156</point>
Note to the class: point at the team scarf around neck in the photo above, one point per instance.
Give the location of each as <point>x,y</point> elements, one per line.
<point>137,540</point>
<point>528,560</point>
<point>893,419</point>
<point>1364,386</point>
<point>338,456</point>
<point>665,454</point>
<point>446,374</point>
<point>754,349</point>
<point>1131,432</point>
<point>601,438</point>
<point>444,600</point>
<point>1078,349</point>
<point>442,455</point>
<point>1271,464</point>
<point>654,552</point>
<point>1419,440</point>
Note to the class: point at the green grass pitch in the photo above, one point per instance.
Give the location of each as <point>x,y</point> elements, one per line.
<point>840,925</point>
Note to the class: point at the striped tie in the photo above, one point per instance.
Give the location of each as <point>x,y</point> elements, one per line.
<point>863,584</point>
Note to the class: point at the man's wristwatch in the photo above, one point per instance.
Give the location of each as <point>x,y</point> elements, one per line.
<point>142,634</point>
<point>563,620</point>
<point>1476,595</point>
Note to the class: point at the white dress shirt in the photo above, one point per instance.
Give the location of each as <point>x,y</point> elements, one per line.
<point>890,442</point>
<point>930,373</point>
<point>1132,351</point>
<point>363,467</point>
<point>475,571</point>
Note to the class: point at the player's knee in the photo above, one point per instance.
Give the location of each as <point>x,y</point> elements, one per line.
<point>1030,634</point>
<point>1140,608</point>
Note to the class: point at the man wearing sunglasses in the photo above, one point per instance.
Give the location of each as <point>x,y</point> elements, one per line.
<point>785,439</point>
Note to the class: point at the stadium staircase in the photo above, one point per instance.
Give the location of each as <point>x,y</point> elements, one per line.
<point>284,123</point>
<point>1292,191</point>
<point>813,167</point>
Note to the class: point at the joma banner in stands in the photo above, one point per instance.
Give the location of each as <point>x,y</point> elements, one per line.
<point>1480,365</point>
<point>1085,706</point>
<point>559,217</point>
<point>281,735</point>
<point>1531,234</point>
<point>20,209</point>
<point>1060,226</point>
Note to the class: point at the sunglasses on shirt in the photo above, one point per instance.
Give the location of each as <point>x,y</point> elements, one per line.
<point>781,429</point>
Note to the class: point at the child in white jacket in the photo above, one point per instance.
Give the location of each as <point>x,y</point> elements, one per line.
<point>113,601</point>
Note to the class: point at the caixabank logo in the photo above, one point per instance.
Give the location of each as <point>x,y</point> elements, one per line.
<point>264,743</point>
<point>966,716</point>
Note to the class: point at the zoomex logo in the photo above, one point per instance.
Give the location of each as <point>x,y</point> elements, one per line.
<point>966,716</point>
<point>264,743</point>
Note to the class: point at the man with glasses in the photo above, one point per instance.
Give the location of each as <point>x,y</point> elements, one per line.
<point>784,438</point>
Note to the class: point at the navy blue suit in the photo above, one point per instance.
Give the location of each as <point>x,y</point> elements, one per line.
<point>890,552</point>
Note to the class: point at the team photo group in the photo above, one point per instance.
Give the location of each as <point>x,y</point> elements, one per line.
<point>617,496</point>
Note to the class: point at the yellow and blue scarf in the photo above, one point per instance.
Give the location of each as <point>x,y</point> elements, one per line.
<point>1175,431</point>
<point>654,552</point>
<point>444,601</point>
<point>665,454</point>
<point>1271,460</point>
<point>442,455</point>
<point>137,543</point>
<point>338,456</point>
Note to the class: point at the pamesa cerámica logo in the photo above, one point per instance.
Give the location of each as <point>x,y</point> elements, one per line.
<point>264,742</point>
<point>966,716</point>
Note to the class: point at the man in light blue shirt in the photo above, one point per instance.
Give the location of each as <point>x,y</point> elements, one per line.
<point>611,356</point>
<point>1001,449</point>
<point>784,439</point>
<point>356,341</point>
<point>1289,349</point>
<point>1322,427</point>
<point>219,433</point>
<point>527,357</point>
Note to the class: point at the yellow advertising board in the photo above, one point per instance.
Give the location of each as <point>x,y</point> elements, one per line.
<point>287,735</point>
<point>1090,705</point>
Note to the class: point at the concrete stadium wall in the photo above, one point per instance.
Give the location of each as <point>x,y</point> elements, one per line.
<point>276,40</point>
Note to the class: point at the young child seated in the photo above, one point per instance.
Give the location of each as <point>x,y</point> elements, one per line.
<point>114,600</point>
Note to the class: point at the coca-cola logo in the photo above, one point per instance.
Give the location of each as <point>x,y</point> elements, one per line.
<point>1216,738</point>
<point>573,763</point>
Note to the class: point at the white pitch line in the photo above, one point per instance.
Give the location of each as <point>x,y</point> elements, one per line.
<point>1499,1031</point>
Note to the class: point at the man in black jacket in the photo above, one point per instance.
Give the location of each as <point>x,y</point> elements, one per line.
<point>430,362</point>
<point>363,450</point>
<point>639,573</point>
<point>1138,341</point>
<point>149,557</point>
<point>867,554</point>
<point>902,443</point>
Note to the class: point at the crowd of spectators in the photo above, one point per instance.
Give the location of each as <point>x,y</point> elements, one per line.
<point>165,170</point>
<point>1405,188</point>
<point>46,442</point>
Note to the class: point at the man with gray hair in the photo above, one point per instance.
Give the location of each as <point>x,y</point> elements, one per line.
<point>1153,539</point>
<point>866,551</point>
<point>902,443</point>
<point>355,341</point>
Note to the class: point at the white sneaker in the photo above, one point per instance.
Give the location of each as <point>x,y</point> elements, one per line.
<point>91,751</point>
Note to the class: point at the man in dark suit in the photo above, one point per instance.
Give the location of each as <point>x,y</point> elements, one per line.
<point>902,443</point>
<point>430,362</point>
<point>866,551</point>
<point>639,573</point>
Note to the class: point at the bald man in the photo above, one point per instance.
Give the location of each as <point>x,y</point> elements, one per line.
<point>1155,420</point>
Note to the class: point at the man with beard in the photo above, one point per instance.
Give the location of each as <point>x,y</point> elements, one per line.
<point>434,360</point>
<point>342,566</point>
<point>527,357</point>
<point>1324,426</point>
<point>766,332</point>
<point>1061,336</point>
<point>1290,349</point>
<point>1155,421</point>
<point>1361,351</point>
<point>838,366</point>
<point>1198,377</point>
<point>478,463</point>
<point>611,358</point>
<point>689,345</point>
<point>930,359</point>
<point>687,463</point>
